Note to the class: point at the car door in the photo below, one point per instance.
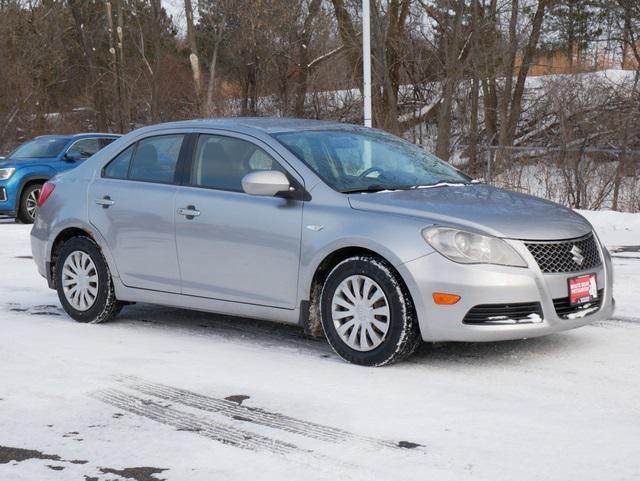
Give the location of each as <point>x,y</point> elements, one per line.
<point>233,246</point>
<point>132,205</point>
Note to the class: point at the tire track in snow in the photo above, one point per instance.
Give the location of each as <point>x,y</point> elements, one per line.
<point>189,422</point>
<point>229,435</point>
<point>255,415</point>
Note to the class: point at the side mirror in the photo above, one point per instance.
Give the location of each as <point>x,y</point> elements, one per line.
<point>73,155</point>
<point>266,183</point>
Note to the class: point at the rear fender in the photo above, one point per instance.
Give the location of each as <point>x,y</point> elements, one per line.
<point>91,232</point>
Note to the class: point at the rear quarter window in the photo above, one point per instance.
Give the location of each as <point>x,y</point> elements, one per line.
<point>118,168</point>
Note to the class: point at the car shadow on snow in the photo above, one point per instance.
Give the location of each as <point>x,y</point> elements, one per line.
<point>498,353</point>
<point>274,335</point>
<point>237,329</point>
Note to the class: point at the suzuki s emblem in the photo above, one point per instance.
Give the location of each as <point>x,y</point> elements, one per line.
<point>576,252</point>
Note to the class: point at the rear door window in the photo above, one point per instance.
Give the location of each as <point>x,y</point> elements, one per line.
<point>155,159</point>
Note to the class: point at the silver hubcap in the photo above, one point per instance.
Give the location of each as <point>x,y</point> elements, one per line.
<point>360,313</point>
<point>80,281</point>
<point>32,202</point>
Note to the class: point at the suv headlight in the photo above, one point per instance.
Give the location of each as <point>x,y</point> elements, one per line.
<point>6,173</point>
<point>470,248</point>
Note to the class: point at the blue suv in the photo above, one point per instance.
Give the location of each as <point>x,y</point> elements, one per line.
<point>25,169</point>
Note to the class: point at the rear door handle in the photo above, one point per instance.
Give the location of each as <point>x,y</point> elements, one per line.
<point>105,202</point>
<point>189,212</point>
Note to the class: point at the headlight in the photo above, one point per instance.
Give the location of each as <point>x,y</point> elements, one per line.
<point>6,173</point>
<point>469,248</point>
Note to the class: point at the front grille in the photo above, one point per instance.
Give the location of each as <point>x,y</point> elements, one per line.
<point>495,314</point>
<point>3,195</point>
<point>565,310</point>
<point>556,256</point>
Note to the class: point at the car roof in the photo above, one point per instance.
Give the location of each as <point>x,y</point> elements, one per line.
<point>270,125</point>
<point>95,134</point>
<point>77,136</point>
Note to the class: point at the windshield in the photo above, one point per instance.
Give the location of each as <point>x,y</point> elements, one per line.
<point>354,161</point>
<point>40,148</point>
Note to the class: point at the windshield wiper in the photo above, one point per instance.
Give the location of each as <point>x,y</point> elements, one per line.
<point>368,188</point>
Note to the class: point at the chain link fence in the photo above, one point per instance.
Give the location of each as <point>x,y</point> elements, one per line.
<point>581,178</point>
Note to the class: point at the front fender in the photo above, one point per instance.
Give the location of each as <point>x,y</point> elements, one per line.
<point>326,230</point>
<point>25,176</point>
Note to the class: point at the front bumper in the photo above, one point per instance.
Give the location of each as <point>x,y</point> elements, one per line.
<point>483,284</point>
<point>7,203</point>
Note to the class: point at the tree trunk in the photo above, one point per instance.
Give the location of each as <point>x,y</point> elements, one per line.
<point>194,58</point>
<point>156,116</point>
<point>511,106</point>
<point>394,48</point>
<point>89,56</point>
<point>122,90</point>
<point>453,49</point>
<point>509,72</point>
<point>349,38</point>
<point>444,120</point>
<point>117,101</point>
<point>523,71</point>
<point>212,71</point>
<point>304,39</point>
<point>473,128</point>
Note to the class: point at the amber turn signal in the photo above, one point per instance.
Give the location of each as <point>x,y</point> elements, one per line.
<point>445,299</point>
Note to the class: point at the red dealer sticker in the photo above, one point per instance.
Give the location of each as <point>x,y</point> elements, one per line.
<point>583,289</point>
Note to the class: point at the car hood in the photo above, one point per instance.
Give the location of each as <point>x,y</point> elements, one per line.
<point>498,212</point>
<point>5,163</point>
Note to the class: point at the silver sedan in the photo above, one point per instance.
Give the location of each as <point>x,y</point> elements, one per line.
<point>344,230</point>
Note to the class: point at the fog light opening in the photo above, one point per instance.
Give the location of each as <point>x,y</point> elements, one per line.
<point>445,299</point>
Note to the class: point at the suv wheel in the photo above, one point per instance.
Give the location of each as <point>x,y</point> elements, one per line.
<point>28,203</point>
<point>367,313</point>
<point>84,283</point>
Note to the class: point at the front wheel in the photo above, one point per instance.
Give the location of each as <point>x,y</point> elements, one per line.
<point>84,283</point>
<point>367,313</point>
<point>29,203</point>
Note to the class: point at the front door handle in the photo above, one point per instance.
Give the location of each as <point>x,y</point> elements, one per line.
<point>105,202</point>
<point>189,212</point>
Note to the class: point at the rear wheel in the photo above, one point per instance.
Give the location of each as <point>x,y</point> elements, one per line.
<point>367,313</point>
<point>84,283</point>
<point>29,203</point>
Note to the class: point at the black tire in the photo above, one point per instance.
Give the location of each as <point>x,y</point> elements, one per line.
<point>24,214</point>
<point>105,306</point>
<point>403,335</point>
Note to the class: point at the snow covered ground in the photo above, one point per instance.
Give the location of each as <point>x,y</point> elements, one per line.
<point>168,394</point>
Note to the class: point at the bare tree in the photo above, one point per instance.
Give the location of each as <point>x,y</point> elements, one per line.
<point>194,58</point>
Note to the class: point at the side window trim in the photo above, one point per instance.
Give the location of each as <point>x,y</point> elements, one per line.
<point>186,159</point>
<point>133,156</point>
